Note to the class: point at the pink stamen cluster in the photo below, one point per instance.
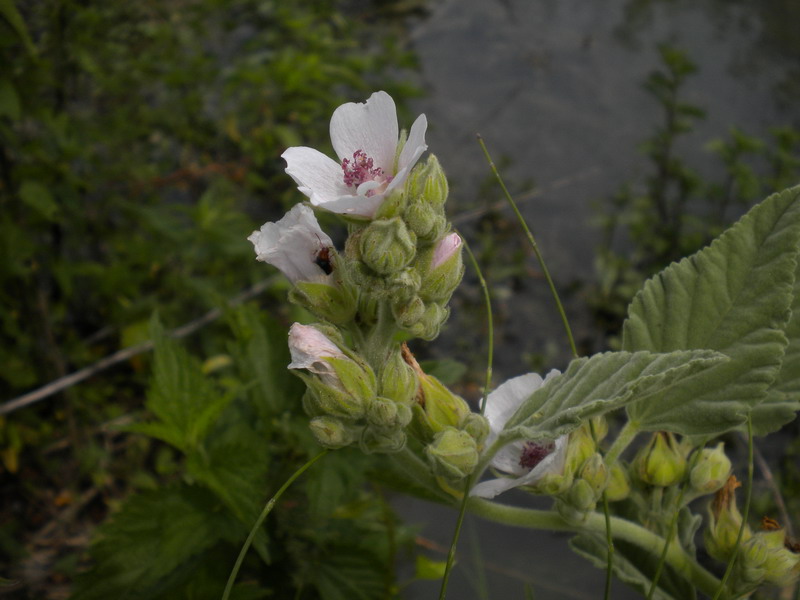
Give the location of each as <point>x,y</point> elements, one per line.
<point>533,453</point>
<point>361,169</point>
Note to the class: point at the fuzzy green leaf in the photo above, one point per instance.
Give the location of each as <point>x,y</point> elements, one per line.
<point>593,386</point>
<point>733,297</point>
<point>632,566</point>
<point>351,575</point>
<point>181,396</point>
<point>153,535</point>
<point>783,397</point>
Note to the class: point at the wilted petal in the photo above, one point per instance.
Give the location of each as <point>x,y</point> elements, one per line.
<point>369,126</point>
<point>308,347</point>
<point>293,244</point>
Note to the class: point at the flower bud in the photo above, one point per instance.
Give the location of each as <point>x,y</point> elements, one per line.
<point>581,447</point>
<point>453,454</point>
<point>335,304</point>
<point>724,521</point>
<point>427,184</point>
<point>341,383</point>
<point>387,246</point>
<point>553,484</point>
<point>437,407</point>
<point>430,323</point>
<point>388,414</point>
<point>577,501</point>
<point>334,433</point>
<point>662,461</point>
<point>441,268</point>
<point>379,440</point>
<point>711,470</point>
<point>427,222</point>
<point>477,426</point>
<point>619,486</point>
<point>398,380</point>
<point>595,473</point>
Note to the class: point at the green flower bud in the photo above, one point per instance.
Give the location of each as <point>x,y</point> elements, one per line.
<point>408,312</point>
<point>398,380</point>
<point>376,440</point>
<point>581,447</point>
<point>477,426</point>
<point>619,486</point>
<point>387,246</point>
<point>341,383</point>
<point>595,472</point>
<point>428,222</point>
<point>388,414</point>
<point>711,470</point>
<point>334,433</point>
<point>437,407</point>
<point>392,206</point>
<point>553,484</point>
<point>577,501</point>
<point>441,268</point>
<point>336,304</point>
<point>430,323</point>
<point>453,454</point>
<point>399,287</point>
<point>599,428</point>
<point>662,461</point>
<point>724,521</point>
<point>782,566</point>
<point>427,184</point>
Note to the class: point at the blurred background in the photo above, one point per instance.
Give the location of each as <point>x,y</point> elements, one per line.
<point>139,146</point>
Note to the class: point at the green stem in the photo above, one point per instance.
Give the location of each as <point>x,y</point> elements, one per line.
<point>489,323</point>
<point>267,508</point>
<point>622,529</point>
<point>535,246</point>
<point>745,512</point>
<point>451,554</point>
<point>626,435</point>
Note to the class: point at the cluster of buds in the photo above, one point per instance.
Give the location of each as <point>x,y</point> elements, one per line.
<point>399,267</point>
<point>766,556</point>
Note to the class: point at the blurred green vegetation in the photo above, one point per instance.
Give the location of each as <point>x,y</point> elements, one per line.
<point>140,144</point>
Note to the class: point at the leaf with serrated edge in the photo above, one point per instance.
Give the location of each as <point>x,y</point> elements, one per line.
<point>783,398</point>
<point>593,386</point>
<point>733,297</point>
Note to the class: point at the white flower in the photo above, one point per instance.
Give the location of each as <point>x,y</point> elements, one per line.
<point>524,461</point>
<point>365,139</point>
<point>309,347</point>
<point>296,245</point>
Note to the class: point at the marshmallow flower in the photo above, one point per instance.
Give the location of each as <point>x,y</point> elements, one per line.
<point>309,348</point>
<point>296,245</point>
<point>365,138</point>
<point>525,462</point>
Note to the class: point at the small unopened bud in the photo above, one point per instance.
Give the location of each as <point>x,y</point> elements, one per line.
<point>428,222</point>
<point>379,440</point>
<point>427,184</point>
<point>662,461</point>
<point>477,427</point>
<point>387,246</point>
<point>581,497</point>
<point>398,380</point>
<point>430,323</point>
<point>441,268</point>
<point>619,486</point>
<point>711,470</point>
<point>581,447</point>
<point>453,454</point>
<point>724,521</point>
<point>439,408</point>
<point>782,558</point>
<point>595,473</point>
<point>334,433</point>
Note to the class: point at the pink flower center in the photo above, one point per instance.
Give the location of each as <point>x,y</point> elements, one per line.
<point>533,453</point>
<point>362,168</point>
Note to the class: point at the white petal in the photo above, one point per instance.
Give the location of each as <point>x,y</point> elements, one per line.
<point>370,127</point>
<point>492,487</point>
<point>507,398</point>
<point>292,244</point>
<point>359,206</point>
<point>415,144</point>
<point>317,176</point>
<point>308,346</point>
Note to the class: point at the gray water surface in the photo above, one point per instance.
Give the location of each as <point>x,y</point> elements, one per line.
<point>555,88</point>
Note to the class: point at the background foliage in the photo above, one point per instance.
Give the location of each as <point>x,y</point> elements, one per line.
<point>139,146</point>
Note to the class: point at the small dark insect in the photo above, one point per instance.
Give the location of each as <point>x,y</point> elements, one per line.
<point>323,260</point>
